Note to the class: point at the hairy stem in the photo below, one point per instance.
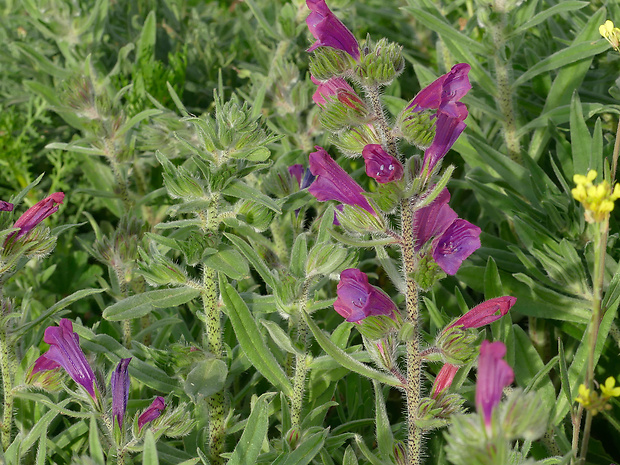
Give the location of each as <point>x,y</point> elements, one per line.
<point>414,361</point>
<point>301,367</point>
<point>6,367</point>
<point>382,124</point>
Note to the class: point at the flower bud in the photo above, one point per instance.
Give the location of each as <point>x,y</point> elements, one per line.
<point>352,141</point>
<point>381,65</point>
<point>327,62</point>
<point>457,345</point>
<point>357,220</point>
<point>523,416</point>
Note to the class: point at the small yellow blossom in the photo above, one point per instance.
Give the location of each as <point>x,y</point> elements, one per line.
<point>598,200</point>
<point>608,390</point>
<point>584,395</point>
<point>611,33</point>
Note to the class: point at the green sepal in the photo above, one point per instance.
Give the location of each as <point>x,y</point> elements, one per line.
<point>381,64</point>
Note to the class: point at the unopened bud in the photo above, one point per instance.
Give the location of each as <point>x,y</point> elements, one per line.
<point>418,127</point>
<point>379,65</point>
<point>357,220</point>
<point>457,345</point>
<point>293,437</point>
<point>327,62</point>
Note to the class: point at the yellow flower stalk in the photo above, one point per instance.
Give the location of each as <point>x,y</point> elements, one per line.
<point>597,199</point>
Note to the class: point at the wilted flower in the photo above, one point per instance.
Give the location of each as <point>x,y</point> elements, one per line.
<point>357,299</point>
<point>329,31</point>
<point>380,165</point>
<point>494,374</point>
<point>65,352</point>
<point>119,383</point>
<point>333,183</point>
<point>486,312</point>
<point>152,412</point>
<point>5,206</point>
<point>454,240</point>
<point>37,213</point>
<point>444,379</point>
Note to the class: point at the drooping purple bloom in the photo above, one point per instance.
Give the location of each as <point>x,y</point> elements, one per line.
<point>443,95</point>
<point>454,239</point>
<point>444,379</point>
<point>380,165</point>
<point>357,299</point>
<point>5,206</point>
<point>329,31</point>
<point>494,374</point>
<point>458,242</point>
<point>119,384</point>
<point>37,213</point>
<point>152,412</point>
<point>333,183</point>
<point>65,352</point>
<point>486,312</point>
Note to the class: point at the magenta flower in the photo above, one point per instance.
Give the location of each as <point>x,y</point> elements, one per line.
<point>443,95</point>
<point>37,213</point>
<point>454,240</point>
<point>119,384</point>
<point>65,352</point>
<point>380,165</point>
<point>458,242</point>
<point>444,379</point>
<point>152,412</point>
<point>494,374</point>
<point>333,183</point>
<point>329,31</point>
<point>486,312</point>
<point>330,89</point>
<point>357,299</point>
<point>5,206</point>
<point>297,171</point>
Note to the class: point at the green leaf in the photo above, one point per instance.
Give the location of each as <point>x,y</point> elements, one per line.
<point>230,262</point>
<point>385,438</point>
<point>149,455</point>
<point>344,359</point>
<point>137,119</point>
<point>255,432</point>
<point>139,305</point>
<point>278,335</point>
<point>561,7</point>
<point>94,444</point>
<point>349,457</point>
<point>250,339</point>
<point>306,451</point>
<point>581,142</point>
<point>242,190</point>
<point>299,256</point>
<point>564,383</point>
<point>206,378</point>
<point>262,21</point>
<point>492,281</point>
<point>257,262</point>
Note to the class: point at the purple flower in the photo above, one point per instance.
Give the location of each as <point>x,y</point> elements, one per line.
<point>331,88</point>
<point>444,379</point>
<point>329,31</point>
<point>458,242</point>
<point>380,165</point>
<point>297,171</point>
<point>486,312</point>
<point>5,206</point>
<point>119,383</point>
<point>37,213</point>
<point>454,240</point>
<point>152,412</point>
<point>65,352</point>
<point>357,299</point>
<point>494,374</point>
<point>333,183</point>
<point>443,95</point>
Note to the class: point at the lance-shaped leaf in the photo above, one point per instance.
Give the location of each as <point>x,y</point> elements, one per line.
<point>139,305</point>
<point>254,434</point>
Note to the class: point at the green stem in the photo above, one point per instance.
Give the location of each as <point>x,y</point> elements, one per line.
<point>382,124</point>
<point>600,250</point>
<point>414,361</point>
<point>279,242</point>
<point>614,164</point>
<point>121,184</point>
<point>504,90</point>
<point>6,367</point>
<point>301,367</point>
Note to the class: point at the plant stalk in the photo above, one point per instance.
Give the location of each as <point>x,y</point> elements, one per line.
<point>6,367</point>
<point>414,361</point>
<point>383,126</point>
<point>301,367</point>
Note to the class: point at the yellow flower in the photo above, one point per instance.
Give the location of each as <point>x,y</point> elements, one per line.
<point>584,395</point>
<point>598,200</point>
<point>611,33</point>
<point>608,389</point>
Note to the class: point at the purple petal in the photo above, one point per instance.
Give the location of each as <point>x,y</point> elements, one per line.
<point>433,220</point>
<point>486,312</point>
<point>446,89</point>
<point>380,165</point>
<point>37,213</point>
<point>329,31</point>
<point>119,384</point>
<point>458,242</point>
<point>444,379</point>
<point>5,206</point>
<point>448,130</point>
<point>43,364</point>
<point>494,374</point>
<point>152,412</point>
<point>330,88</point>
<point>65,351</point>
<point>297,171</point>
<point>333,183</point>
<point>357,299</point>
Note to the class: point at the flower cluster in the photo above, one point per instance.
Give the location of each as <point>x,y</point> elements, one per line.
<point>594,402</point>
<point>598,200</point>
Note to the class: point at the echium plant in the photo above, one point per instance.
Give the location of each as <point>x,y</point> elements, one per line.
<point>432,240</point>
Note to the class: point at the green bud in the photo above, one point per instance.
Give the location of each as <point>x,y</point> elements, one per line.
<point>255,214</point>
<point>159,270</point>
<point>357,220</point>
<point>324,259</point>
<point>457,345</point>
<point>352,141</point>
<point>377,327</point>
<point>387,195</point>
<point>428,272</point>
<point>523,416</point>
<point>286,293</point>
<point>327,62</point>
<point>384,350</point>
<point>381,65</point>
<point>345,110</point>
<point>417,127</point>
